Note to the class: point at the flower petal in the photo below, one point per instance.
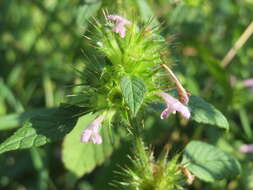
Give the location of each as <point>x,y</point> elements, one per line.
<point>119,19</point>
<point>173,105</point>
<point>86,135</point>
<point>120,29</point>
<point>91,133</point>
<point>166,113</point>
<point>96,138</point>
<point>182,109</point>
<point>246,148</point>
<point>167,98</point>
<point>248,83</point>
<point>119,26</point>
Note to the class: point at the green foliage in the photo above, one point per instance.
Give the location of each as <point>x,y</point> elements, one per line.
<point>138,54</point>
<point>85,11</point>
<point>202,112</point>
<point>147,13</point>
<point>133,90</point>
<point>81,158</point>
<point>104,82</point>
<point>208,162</point>
<point>6,93</point>
<point>147,172</point>
<point>41,39</point>
<point>246,178</point>
<point>17,119</point>
<point>43,129</point>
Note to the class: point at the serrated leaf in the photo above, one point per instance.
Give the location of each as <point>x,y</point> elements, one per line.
<point>81,158</point>
<point>203,112</point>
<point>43,129</point>
<point>133,90</point>
<point>208,162</point>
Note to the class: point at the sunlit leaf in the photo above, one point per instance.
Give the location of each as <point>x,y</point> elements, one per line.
<point>81,158</point>
<point>43,129</point>
<point>208,162</point>
<point>203,112</point>
<point>133,90</point>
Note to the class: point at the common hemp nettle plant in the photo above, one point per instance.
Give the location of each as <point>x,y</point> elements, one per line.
<point>126,74</point>
<point>129,78</point>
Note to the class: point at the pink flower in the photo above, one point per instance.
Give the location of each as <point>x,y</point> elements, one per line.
<point>248,83</point>
<point>246,148</point>
<point>91,133</point>
<point>119,26</point>
<point>173,106</point>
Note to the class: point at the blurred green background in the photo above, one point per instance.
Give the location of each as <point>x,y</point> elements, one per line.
<point>42,41</point>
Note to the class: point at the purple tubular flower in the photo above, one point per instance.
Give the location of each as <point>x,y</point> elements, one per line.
<point>119,26</point>
<point>173,106</point>
<point>91,133</point>
<point>246,148</point>
<point>248,83</point>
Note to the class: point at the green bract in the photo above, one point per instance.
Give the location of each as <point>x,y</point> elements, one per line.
<point>150,173</point>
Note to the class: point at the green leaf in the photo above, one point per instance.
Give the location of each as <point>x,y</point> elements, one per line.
<point>133,90</point>
<point>146,12</point>
<point>7,93</point>
<point>81,158</point>
<point>84,12</point>
<point>203,112</point>
<point>43,129</point>
<point>208,162</point>
<point>247,176</point>
<point>17,119</point>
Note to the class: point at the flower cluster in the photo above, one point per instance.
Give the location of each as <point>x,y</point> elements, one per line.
<point>139,56</point>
